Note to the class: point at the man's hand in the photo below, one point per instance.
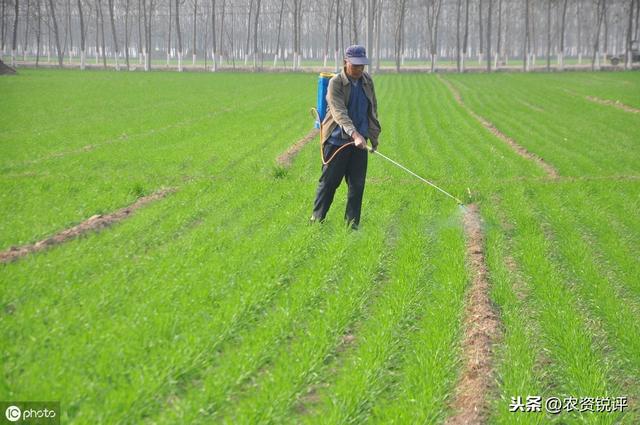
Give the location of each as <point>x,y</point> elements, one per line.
<point>359,141</point>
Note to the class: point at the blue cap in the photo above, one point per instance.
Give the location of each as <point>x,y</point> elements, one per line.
<point>356,54</point>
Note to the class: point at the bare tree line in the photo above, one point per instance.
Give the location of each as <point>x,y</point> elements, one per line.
<point>230,33</point>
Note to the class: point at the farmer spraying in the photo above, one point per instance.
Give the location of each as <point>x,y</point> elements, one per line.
<point>351,120</point>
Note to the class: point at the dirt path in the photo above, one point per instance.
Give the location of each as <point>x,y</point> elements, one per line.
<point>93,223</point>
<point>481,330</point>
<point>520,150</point>
<point>286,158</point>
<point>613,103</point>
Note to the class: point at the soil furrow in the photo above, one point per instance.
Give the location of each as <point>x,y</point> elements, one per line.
<point>481,330</point>
<point>520,150</point>
<point>614,103</point>
<point>286,158</point>
<point>93,223</point>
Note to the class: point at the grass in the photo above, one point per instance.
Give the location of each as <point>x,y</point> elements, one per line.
<point>220,303</point>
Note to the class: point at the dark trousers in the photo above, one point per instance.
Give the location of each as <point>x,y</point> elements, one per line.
<point>350,163</point>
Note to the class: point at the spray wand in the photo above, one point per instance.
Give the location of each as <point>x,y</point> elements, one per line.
<point>370,149</point>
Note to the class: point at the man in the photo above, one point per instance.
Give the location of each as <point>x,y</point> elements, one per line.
<point>352,118</point>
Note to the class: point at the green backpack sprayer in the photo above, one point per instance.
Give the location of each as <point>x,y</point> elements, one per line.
<point>319,114</point>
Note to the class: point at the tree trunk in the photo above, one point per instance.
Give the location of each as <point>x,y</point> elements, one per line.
<point>628,57</point>
<point>595,60</point>
<point>56,34</point>
<point>213,35</point>
<point>465,40</point>
<point>548,35</point>
<point>562,32</point>
<point>104,50</point>
<point>115,38</point>
<point>255,36</point>
<point>370,13</point>
<point>337,47</point>
<point>458,44</point>
<point>327,33</point>
<point>70,30</point>
<point>38,32</point>
<point>148,56</point>
<point>169,26</point>
<point>221,47</point>
<point>433,14</point>
<point>354,23</point>
<point>275,59</point>
<point>480,34</point>
<point>499,43</point>
<point>525,47</point>
<point>15,35</point>
<point>179,34</point>
<point>246,48</point>
<point>97,36</point>
<point>605,22</point>
<point>26,32</point>
<point>378,31</point>
<point>2,28</point>
<point>126,33</point>
<point>399,33</point>
<point>82,34</point>
<point>488,48</point>
<point>195,18</point>
<point>579,37</point>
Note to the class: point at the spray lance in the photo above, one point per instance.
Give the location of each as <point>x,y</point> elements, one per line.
<point>319,114</point>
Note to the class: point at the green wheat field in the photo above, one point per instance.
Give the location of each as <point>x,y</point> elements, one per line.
<point>219,303</point>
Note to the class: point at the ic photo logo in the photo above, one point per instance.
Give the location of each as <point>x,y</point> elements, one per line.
<point>30,412</point>
<point>13,413</point>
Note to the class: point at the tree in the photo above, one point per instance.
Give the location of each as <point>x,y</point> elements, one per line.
<point>104,50</point>
<point>2,28</point>
<point>548,35</point>
<point>246,48</point>
<point>213,34</point>
<point>169,24</point>
<point>26,32</point>
<point>399,33</point>
<point>277,55</point>
<point>15,35</point>
<point>52,13</point>
<point>179,34</point>
<point>38,31</point>
<point>221,51</point>
<point>489,13</point>
<point>433,14</point>
<point>82,36</point>
<point>480,35</point>
<point>327,32</point>
<point>115,37</point>
<point>562,33</point>
<point>297,25</point>
<point>525,48</point>
<point>195,19</point>
<point>465,39</point>
<point>628,57</point>
<point>600,12</point>
<point>126,32</point>
<point>255,36</point>
<point>458,45</point>
<point>354,23</point>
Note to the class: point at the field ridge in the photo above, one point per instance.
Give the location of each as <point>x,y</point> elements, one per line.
<point>286,158</point>
<point>93,223</point>
<point>481,330</point>
<point>519,149</point>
